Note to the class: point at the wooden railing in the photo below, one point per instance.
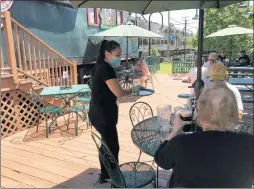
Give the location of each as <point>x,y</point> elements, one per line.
<point>32,56</point>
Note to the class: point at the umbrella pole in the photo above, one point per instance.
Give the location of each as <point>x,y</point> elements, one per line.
<point>127,47</point>
<point>199,83</point>
<point>231,47</point>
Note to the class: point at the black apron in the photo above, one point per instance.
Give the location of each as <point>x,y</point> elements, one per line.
<point>103,114</point>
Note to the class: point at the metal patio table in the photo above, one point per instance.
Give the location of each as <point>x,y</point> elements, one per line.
<point>67,94</point>
<point>149,134</point>
<point>247,82</point>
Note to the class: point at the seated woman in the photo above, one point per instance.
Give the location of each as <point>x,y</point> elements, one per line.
<point>145,73</point>
<point>218,73</point>
<point>216,157</point>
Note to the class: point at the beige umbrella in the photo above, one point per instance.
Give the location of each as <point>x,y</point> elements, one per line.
<point>150,6</point>
<point>128,30</point>
<point>231,31</point>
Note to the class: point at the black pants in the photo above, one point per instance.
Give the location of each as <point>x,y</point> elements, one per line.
<point>110,137</point>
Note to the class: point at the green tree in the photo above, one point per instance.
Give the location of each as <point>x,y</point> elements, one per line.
<point>217,19</point>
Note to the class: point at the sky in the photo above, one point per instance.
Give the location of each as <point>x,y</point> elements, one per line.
<point>177,18</point>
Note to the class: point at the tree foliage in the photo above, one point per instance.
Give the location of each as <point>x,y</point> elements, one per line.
<point>217,19</point>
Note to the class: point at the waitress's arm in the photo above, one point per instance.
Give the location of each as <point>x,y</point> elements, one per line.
<point>116,88</point>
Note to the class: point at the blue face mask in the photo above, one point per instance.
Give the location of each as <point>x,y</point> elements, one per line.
<point>115,61</point>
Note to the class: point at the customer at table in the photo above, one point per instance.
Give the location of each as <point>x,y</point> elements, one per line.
<point>145,75</point>
<point>222,56</point>
<point>212,59</point>
<point>218,73</point>
<point>192,76</point>
<point>105,90</point>
<point>244,59</point>
<point>196,59</point>
<point>217,157</point>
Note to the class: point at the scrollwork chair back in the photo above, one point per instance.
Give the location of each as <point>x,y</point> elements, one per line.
<point>139,112</point>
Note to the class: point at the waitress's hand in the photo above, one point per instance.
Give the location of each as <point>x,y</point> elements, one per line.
<point>136,88</point>
<point>179,123</point>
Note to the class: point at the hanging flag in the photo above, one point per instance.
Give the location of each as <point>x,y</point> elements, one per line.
<point>6,5</point>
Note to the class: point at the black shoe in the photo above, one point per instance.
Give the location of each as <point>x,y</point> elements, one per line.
<point>103,179</point>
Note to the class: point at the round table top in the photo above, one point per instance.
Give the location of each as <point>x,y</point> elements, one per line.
<point>149,134</point>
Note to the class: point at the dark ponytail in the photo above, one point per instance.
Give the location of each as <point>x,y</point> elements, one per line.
<point>101,55</point>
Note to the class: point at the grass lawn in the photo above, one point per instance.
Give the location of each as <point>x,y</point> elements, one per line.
<point>165,67</point>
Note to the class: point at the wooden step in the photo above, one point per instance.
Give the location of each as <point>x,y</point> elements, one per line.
<point>24,81</point>
<point>6,75</point>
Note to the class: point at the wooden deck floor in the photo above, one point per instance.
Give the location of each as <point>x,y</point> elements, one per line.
<point>29,160</point>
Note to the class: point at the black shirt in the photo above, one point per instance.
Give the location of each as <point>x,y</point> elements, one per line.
<point>221,58</point>
<point>244,60</point>
<point>209,159</point>
<point>100,91</point>
<point>103,107</point>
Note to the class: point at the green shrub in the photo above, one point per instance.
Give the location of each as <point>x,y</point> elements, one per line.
<point>155,52</point>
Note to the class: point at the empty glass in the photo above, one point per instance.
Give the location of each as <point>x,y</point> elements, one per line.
<point>164,111</point>
<point>164,115</point>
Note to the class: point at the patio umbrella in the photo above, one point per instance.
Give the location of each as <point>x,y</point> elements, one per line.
<point>149,6</point>
<point>128,30</point>
<point>231,31</point>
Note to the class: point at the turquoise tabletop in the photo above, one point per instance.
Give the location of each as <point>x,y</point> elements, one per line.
<point>56,90</point>
<point>241,81</point>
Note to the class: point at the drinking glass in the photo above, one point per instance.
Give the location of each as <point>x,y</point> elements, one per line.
<point>164,116</point>
<point>135,88</point>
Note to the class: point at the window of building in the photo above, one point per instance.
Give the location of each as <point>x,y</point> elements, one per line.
<point>172,42</point>
<point>92,16</point>
<point>162,42</point>
<point>153,41</point>
<point>166,41</point>
<point>158,41</point>
<point>119,17</point>
<point>145,41</point>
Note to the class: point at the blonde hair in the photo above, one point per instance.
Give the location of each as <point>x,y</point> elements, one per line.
<point>217,108</point>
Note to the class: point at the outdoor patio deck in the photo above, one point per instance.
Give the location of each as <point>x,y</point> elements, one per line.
<point>30,160</point>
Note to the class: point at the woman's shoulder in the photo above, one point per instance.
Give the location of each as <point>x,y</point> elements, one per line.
<point>104,66</point>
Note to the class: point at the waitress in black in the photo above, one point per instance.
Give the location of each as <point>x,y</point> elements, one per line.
<point>103,112</point>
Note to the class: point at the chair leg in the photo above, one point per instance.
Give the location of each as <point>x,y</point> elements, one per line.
<point>140,152</point>
<point>76,125</point>
<point>154,182</point>
<point>47,128</point>
<point>38,122</point>
<point>152,83</point>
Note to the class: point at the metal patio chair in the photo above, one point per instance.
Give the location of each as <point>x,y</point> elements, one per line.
<point>139,112</point>
<point>83,98</point>
<point>127,175</point>
<point>48,111</point>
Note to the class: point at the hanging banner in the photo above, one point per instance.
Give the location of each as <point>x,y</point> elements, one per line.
<point>6,5</point>
<point>108,19</point>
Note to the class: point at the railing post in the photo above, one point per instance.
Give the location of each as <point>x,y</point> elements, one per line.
<point>10,44</point>
<point>74,73</point>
